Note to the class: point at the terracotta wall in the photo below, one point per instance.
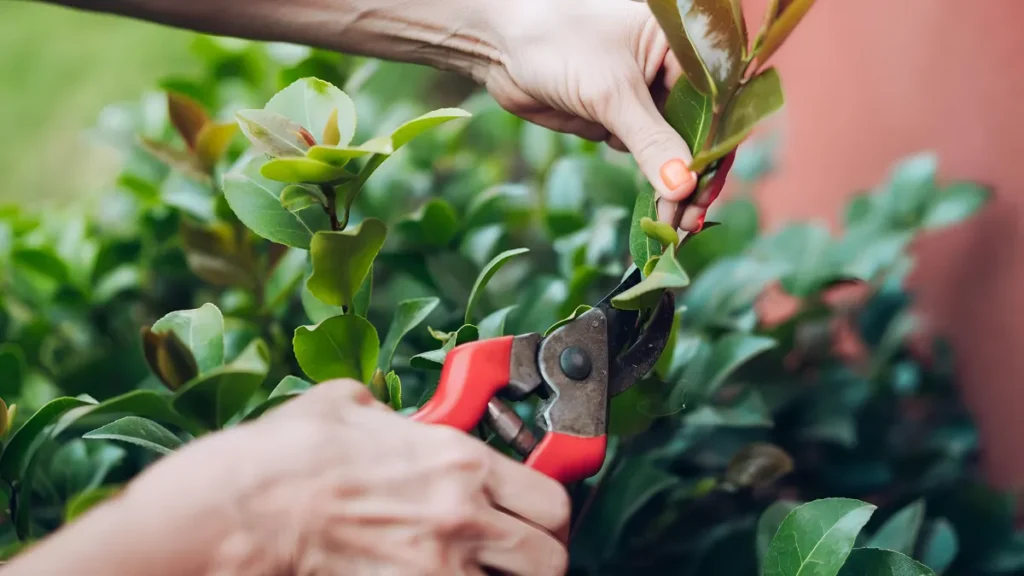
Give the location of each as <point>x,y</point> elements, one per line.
<point>870,81</point>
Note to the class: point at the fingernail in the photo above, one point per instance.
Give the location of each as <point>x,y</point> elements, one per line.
<point>700,223</point>
<point>678,178</point>
<point>693,219</point>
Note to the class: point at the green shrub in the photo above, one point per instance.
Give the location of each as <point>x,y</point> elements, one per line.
<point>214,283</point>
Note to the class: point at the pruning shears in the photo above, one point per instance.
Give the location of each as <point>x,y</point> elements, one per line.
<point>574,370</point>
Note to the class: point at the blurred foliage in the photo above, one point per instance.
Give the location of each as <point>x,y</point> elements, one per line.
<point>166,314</point>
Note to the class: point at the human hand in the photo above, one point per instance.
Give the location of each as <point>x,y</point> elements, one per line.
<point>599,69</point>
<point>334,482</point>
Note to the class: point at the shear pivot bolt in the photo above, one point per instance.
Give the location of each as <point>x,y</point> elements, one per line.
<point>575,363</point>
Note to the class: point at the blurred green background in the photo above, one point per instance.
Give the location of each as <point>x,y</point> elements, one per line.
<point>58,69</point>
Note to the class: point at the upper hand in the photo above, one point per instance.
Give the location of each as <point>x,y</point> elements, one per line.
<point>599,69</point>
<point>334,482</point>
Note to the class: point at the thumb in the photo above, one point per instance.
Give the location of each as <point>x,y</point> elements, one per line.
<point>661,153</point>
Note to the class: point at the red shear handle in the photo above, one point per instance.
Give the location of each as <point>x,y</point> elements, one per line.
<point>568,458</point>
<point>472,374</point>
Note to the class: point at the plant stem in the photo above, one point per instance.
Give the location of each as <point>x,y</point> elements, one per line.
<point>332,206</point>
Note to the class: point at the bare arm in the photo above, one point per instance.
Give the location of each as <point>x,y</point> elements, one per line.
<point>458,35</point>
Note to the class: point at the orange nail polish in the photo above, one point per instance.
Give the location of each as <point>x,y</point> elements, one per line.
<point>700,223</point>
<point>676,174</point>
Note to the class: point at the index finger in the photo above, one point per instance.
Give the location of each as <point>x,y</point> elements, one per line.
<point>529,494</point>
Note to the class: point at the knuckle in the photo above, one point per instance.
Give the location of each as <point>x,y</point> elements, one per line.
<point>455,518</point>
<point>338,392</point>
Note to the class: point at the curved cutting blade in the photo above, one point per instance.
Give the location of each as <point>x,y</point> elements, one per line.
<point>629,367</point>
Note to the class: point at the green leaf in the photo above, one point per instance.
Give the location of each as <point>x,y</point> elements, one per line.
<point>341,156</point>
<point>641,246</point>
<point>42,261</point>
<point>413,128</point>
<point>272,133</point>
<point>339,347</point>
<point>754,102</point>
<point>670,16</point>
<point>256,202</point>
<point>749,411</point>
<point>661,232</point>
<point>434,359</point>
<point>816,538</point>
<point>876,562</point>
<point>729,353</point>
<point>808,251</point>
<point>410,313</point>
<point>137,431</point>
<point>689,112</point>
<point>955,203</point>
<point>201,330</point>
<point>581,309</point>
<point>757,466</point>
<point>22,445</point>
<point>394,390</point>
<point>485,276</point>
<point>631,487</point>
<point>782,26</point>
<point>342,260</point>
<point>727,290</point>
<point>297,170</point>
<point>297,197</point>
<point>899,533</point>
<point>768,525</point>
<point>435,224</point>
<point>312,102</point>
<point>213,143</point>
<point>168,358</point>
<point>144,403</point>
<point>317,311</point>
<point>858,209</point>
<point>493,325</point>
<point>285,276</point>
<point>667,275</point>
<point>288,387</point>
<point>940,546</point>
<point>85,500</point>
<point>214,398</point>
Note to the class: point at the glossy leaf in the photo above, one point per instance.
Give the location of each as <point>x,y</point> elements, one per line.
<point>807,251</point>
<point>331,135</point>
<point>940,546</point>
<point>169,358</point>
<point>877,562</point>
<point>341,156</point>
<point>214,398</point>
<point>256,202</point>
<point>769,522</point>
<point>435,224</point>
<point>288,387</point>
<point>137,431</point>
<point>661,232</point>
<point>581,309</point>
<point>413,128</point>
<point>816,538</point>
<point>317,311</point>
<point>792,12</point>
<point>900,532</point>
<point>339,347</point>
<point>201,330</point>
<point>187,116</point>
<point>485,276</point>
<point>82,502</point>
<point>408,315</point>
<point>758,465</point>
<point>755,101</point>
<point>312,103</point>
<point>296,197</point>
<point>21,447</point>
<point>273,134</point>
<point>641,246</point>
<point>394,384</point>
<point>493,325</point>
<point>342,260</point>
<point>434,359</point>
<point>143,403</point>
<point>956,203</point>
<point>213,142</point>
<point>690,113</point>
<point>669,14</point>
<point>286,275</point>
<point>667,275</point>
<point>302,169</point>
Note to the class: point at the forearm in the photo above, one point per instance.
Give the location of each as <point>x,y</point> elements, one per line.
<point>465,36</point>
